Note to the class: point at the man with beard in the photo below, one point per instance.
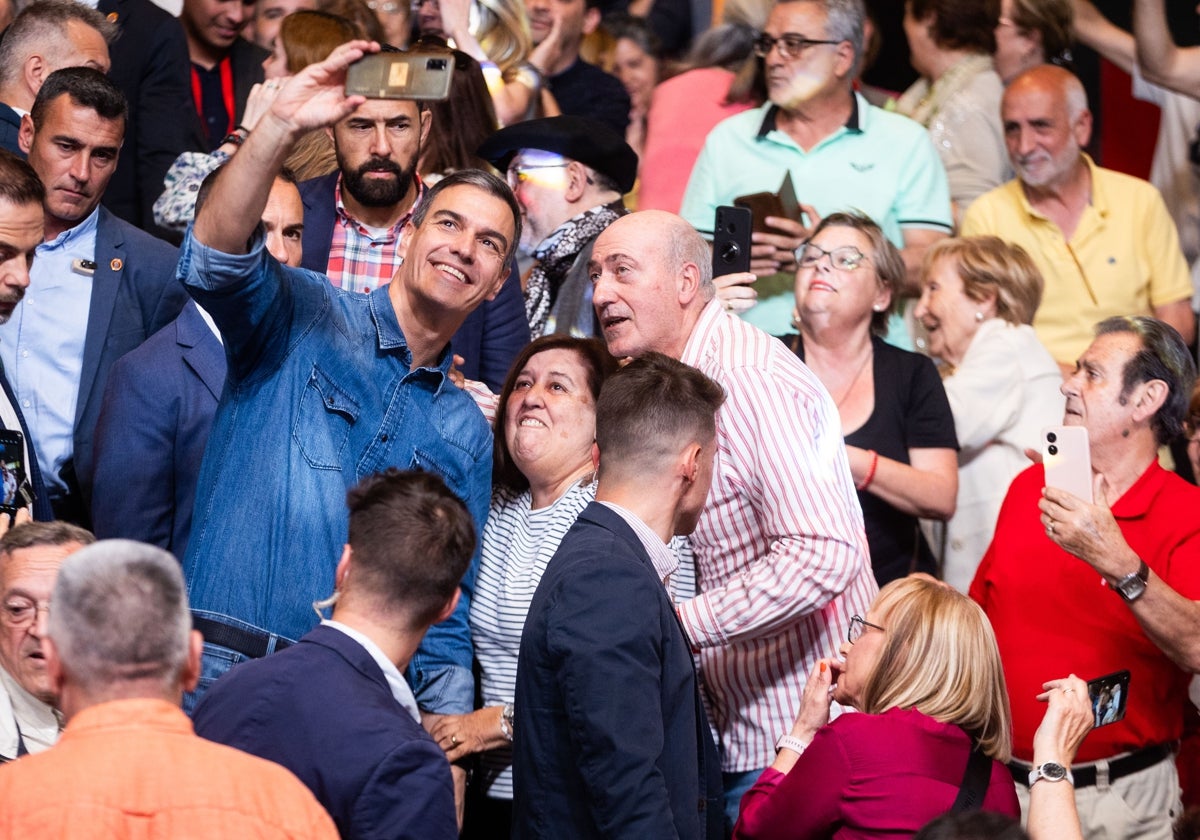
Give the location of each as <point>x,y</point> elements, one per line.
<point>353,218</point>
<point>1104,241</point>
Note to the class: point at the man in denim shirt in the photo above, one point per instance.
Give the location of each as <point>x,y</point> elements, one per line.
<point>327,386</point>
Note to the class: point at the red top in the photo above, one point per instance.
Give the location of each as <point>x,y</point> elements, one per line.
<point>869,776</point>
<point>1054,615</point>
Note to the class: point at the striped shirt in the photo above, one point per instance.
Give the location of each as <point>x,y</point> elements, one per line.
<point>362,259</point>
<point>780,551</point>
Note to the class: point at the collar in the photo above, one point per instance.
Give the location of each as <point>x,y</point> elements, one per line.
<point>391,337</point>
<point>139,713</point>
<point>712,317</point>
<point>854,125</point>
<point>662,558</point>
<point>1141,496</point>
<point>81,232</point>
<point>346,219</point>
<point>395,680</point>
<point>1099,200</point>
<point>40,723</point>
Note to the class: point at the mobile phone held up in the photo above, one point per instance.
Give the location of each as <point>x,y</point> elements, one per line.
<point>401,75</point>
<point>1067,459</point>
<point>731,240</point>
<point>1109,694</point>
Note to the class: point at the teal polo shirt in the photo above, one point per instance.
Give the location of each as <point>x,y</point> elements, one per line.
<point>879,163</point>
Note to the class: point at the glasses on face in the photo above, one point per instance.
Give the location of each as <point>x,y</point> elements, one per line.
<point>518,173</point>
<point>789,45</point>
<point>19,613</point>
<point>845,258</point>
<point>857,625</point>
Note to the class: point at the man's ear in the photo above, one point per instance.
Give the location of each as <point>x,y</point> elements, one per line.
<point>34,72</point>
<point>25,133</point>
<point>1083,128</point>
<point>343,567</point>
<point>405,238</point>
<point>451,605</point>
<point>190,675</point>
<point>845,59</point>
<point>591,20</point>
<point>425,117</point>
<point>577,181</point>
<point>1148,398</point>
<point>689,283</point>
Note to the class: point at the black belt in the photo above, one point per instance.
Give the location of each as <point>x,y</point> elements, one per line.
<point>1085,774</point>
<point>253,643</point>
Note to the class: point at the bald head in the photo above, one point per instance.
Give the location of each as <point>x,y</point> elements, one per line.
<point>1046,125</point>
<point>1051,80</point>
<point>653,275</point>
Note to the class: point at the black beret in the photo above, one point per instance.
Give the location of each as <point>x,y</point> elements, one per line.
<point>590,142</point>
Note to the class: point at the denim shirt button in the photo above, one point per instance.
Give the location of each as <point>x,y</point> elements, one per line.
<point>383,437</point>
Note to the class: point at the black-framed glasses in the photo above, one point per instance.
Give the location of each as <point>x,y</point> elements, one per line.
<point>19,612</point>
<point>857,625</point>
<point>845,258</point>
<point>790,45</point>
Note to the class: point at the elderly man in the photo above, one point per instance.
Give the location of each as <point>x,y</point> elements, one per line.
<point>568,174</point>
<point>337,699</point>
<point>841,151</point>
<point>1100,587</point>
<point>780,548</point>
<point>1104,241</point>
<point>30,555</point>
<point>612,739</point>
<point>119,653</point>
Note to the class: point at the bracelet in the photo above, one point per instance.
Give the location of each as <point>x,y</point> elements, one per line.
<point>506,721</point>
<point>235,137</point>
<point>529,76</point>
<point>870,476</point>
<point>790,742</point>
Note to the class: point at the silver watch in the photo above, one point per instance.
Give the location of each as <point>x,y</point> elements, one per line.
<point>1133,586</point>
<point>1051,771</point>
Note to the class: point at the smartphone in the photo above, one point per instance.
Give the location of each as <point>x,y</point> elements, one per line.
<point>401,75</point>
<point>14,489</point>
<point>1068,460</point>
<point>731,240</point>
<point>1109,694</point>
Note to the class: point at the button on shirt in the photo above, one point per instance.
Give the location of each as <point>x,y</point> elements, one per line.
<point>361,258</point>
<point>42,347</point>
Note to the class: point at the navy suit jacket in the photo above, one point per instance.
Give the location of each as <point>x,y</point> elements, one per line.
<point>151,67</point>
<point>134,294</point>
<point>154,422</point>
<point>491,337</point>
<point>611,738</point>
<point>10,127</point>
<point>322,708</point>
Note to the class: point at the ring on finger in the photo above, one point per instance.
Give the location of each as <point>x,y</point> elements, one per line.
<point>454,740</point>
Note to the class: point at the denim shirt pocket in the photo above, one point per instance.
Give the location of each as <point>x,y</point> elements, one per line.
<point>449,469</point>
<point>323,421</point>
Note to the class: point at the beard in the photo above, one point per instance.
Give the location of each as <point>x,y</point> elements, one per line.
<point>378,192</point>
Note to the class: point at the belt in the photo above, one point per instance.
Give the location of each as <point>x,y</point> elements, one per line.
<point>253,643</point>
<point>1085,774</point>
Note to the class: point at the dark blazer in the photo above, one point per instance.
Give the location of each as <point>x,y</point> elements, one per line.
<point>491,337</point>
<point>151,67</point>
<point>10,127</point>
<point>246,60</point>
<point>611,738</point>
<point>322,708</point>
<point>154,422</point>
<point>41,502</point>
<point>134,294</point>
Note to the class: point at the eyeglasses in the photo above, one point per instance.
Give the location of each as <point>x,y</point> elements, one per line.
<point>845,258</point>
<point>858,625</point>
<point>19,613</point>
<point>789,45</point>
<point>519,173</point>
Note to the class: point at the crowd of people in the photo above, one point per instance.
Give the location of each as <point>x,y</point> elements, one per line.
<point>380,466</point>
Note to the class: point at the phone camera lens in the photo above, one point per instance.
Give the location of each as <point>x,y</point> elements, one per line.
<point>730,252</point>
<point>1053,450</point>
<point>1050,436</point>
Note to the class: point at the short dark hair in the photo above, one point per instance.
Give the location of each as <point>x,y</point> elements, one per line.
<point>960,24</point>
<point>651,407</point>
<point>88,88</point>
<point>412,541</point>
<point>42,24</point>
<point>972,825</point>
<point>44,533</point>
<point>19,184</point>
<point>1164,356</point>
<point>481,180</point>
<point>599,364</point>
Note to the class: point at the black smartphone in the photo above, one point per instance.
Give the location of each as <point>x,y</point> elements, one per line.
<point>1109,694</point>
<point>731,240</point>
<point>401,75</point>
<point>14,489</point>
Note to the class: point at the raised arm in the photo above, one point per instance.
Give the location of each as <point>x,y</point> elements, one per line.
<point>1096,31</point>
<point>1161,61</point>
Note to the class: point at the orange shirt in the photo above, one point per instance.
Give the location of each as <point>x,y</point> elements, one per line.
<point>135,768</point>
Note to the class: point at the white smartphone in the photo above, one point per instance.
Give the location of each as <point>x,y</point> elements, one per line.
<point>1067,459</point>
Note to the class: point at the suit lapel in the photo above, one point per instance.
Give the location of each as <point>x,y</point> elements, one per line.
<point>110,266</point>
<point>201,350</point>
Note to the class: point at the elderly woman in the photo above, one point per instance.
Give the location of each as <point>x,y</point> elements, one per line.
<point>979,297</point>
<point>958,95</point>
<point>1032,32</point>
<point>924,669</point>
<point>895,419</point>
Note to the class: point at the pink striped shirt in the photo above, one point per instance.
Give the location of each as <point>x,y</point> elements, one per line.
<point>781,554</point>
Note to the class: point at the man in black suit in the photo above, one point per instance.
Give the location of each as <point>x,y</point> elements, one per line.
<point>334,708</point>
<point>610,738</point>
<point>224,65</point>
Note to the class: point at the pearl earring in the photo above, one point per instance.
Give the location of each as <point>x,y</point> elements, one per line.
<point>877,308</point>
<point>979,316</point>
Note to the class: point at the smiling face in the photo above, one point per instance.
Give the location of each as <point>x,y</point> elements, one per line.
<point>948,315</point>
<point>637,70</point>
<point>27,577</point>
<point>823,291</point>
<point>550,418</point>
<point>861,657</point>
<point>576,19</point>
<point>1044,140</point>
<point>1093,391</point>
<point>20,233</point>
<point>212,26</point>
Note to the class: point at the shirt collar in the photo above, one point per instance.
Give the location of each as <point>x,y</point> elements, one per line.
<point>73,235</point>
<point>711,317</point>
<point>662,558</point>
<point>391,673</point>
<point>347,219</point>
<point>1137,500</point>
<point>1099,199</point>
<point>771,115</point>
<point>38,721</point>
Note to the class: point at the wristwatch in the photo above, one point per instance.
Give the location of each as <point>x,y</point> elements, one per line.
<point>790,742</point>
<point>1133,586</point>
<point>1052,772</point>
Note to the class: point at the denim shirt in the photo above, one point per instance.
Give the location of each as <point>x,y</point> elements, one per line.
<point>319,394</point>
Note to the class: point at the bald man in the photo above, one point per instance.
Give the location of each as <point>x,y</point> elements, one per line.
<point>1104,241</point>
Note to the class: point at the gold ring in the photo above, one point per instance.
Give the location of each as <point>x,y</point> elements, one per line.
<point>454,740</point>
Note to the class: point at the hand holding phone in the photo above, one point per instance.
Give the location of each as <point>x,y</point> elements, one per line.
<point>1109,695</point>
<point>1067,458</point>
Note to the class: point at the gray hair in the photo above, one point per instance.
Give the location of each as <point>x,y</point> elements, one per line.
<point>42,27</point>
<point>119,613</point>
<point>688,246</point>
<point>843,22</point>
<point>1164,356</point>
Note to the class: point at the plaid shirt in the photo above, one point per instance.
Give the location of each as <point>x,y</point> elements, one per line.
<point>360,260</point>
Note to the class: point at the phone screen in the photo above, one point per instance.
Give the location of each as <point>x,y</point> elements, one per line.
<point>1109,694</point>
<point>12,471</point>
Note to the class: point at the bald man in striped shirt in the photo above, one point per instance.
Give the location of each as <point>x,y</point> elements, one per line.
<point>781,554</point>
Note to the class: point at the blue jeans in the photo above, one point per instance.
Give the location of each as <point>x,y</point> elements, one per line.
<point>736,785</point>
<point>217,659</point>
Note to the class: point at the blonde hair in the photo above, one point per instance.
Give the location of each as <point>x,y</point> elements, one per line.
<point>503,32</point>
<point>940,658</point>
<point>989,265</point>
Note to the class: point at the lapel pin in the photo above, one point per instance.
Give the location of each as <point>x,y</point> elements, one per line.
<point>117,264</point>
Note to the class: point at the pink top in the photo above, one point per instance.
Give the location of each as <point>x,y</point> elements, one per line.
<point>682,112</point>
<point>869,776</point>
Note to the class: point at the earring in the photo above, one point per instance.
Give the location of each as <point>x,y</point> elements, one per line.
<point>979,316</point>
<point>877,307</point>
